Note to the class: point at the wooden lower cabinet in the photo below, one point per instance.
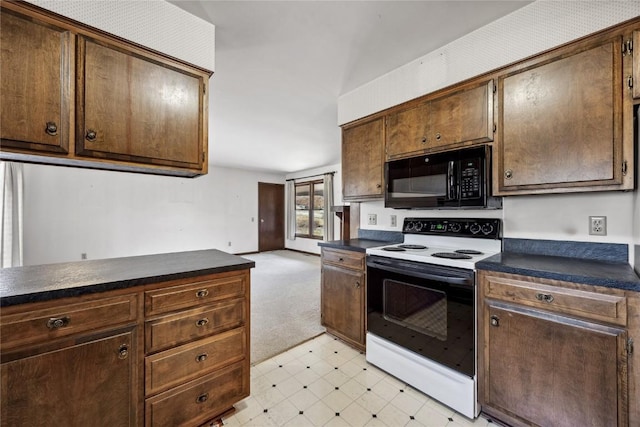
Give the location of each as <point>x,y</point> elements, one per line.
<point>539,366</point>
<point>88,383</point>
<point>174,353</point>
<point>343,295</point>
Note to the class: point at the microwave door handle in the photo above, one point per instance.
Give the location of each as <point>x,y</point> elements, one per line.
<point>451,181</point>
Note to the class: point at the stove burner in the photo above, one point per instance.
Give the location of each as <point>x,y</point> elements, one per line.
<point>412,246</point>
<point>468,252</point>
<point>393,249</point>
<point>451,255</point>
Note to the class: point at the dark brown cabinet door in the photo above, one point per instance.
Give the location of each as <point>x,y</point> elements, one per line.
<point>465,116</point>
<point>92,383</point>
<point>363,161</point>
<point>408,131</point>
<point>132,108</point>
<point>550,370</point>
<point>342,302</point>
<point>35,84</point>
<point>561,122</point>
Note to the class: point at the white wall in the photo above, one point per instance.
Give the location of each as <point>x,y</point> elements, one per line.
<point>536,27</point>
<point>182,35</point>
<point>311,245</point>
<point>69,211</point>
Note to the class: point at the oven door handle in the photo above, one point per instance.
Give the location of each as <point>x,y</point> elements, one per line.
<point>445,279</point>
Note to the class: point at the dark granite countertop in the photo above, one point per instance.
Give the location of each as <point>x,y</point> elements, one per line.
<point>356,245</point>
<point>19,285</point>
<point>579,270</point>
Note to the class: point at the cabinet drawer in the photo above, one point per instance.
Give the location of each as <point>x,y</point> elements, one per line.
<point>194,294</point>
<point>190,361</point>
<point>60,321</point>
<point>186,326</point>
<point>348,259</point>
<point>196,402</point>
<point>590,305</point>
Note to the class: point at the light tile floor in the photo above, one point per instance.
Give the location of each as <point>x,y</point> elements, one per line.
<point>324,382</point>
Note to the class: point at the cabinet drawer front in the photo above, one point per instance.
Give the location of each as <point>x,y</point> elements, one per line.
<point>199,401</point>
<point>194,294</point>
<point>181,328</point>
<point>49,323</point>
<point>348,259</point>
<point>590,305</point>
<point>190,361</point>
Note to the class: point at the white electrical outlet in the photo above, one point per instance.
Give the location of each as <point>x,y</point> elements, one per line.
<point>394,221</point>
<point>373,219</point>
<point>598,225</point>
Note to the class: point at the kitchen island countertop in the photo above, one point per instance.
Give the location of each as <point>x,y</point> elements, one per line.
<point>19,285</point>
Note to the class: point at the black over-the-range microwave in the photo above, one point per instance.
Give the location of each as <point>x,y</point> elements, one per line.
<point>448,180</point>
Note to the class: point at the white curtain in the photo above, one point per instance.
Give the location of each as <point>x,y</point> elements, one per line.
<point>11,233</point>
<point>328,203</point>
<point>290,191</point>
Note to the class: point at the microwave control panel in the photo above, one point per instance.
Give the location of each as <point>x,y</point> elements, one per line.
<point>470,179</point>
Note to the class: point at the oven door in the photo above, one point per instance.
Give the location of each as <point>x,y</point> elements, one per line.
<point>424,308</point>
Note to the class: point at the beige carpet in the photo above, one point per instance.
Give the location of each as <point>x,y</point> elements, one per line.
<point>285,301</point>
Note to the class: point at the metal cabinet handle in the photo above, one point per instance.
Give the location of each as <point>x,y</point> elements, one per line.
<point>202,398</point>
<point>508,174</point>
<point>202,322</point>
<point>52,128</point>
<point>495,321</point>
<point>544,297</point>
<point>358,285</point>
<point>58,322</point>
<point>123,351</point>
<point>91,135</point>
<point>202,293</point>
<point>201,357</point>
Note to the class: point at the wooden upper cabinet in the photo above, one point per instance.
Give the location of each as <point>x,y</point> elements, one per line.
<point>36,83</point>
<point>77,96</point>
<point>561,122</point>
<point>363,160</point>
<point>462,117</point>
<point>407,131</point>
<point>134,108</point>
<point>465,116</point>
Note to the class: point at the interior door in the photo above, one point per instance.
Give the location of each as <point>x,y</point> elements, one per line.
<point>270,217</point>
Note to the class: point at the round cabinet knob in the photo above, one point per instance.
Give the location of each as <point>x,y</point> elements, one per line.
<point>202,398</point>
<point>438,136</point>
<point>508,174</point>
<point>202,322</point>
<point>51,129</point>
<point>91,135</point>
<point>202,293</point>
<point>201,357</point>
<point>58,322</point>
<point>424,139</point>
<point>123,352</point>
<point>495,321</point>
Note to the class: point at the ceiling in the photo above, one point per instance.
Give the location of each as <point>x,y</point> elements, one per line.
<point>281,65</point>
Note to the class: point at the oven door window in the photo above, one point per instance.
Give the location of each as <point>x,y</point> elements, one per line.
<point>420,309</point>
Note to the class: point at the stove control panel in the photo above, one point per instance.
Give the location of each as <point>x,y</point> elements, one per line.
<point>487,228</point>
